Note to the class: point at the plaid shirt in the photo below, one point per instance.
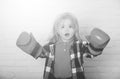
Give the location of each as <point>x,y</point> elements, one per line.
<point>77,51</point>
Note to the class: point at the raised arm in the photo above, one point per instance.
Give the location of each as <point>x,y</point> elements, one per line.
<point>28,44</point>
<point>97,41</point>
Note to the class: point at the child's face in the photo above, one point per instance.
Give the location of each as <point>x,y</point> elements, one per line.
<point>66,29</point>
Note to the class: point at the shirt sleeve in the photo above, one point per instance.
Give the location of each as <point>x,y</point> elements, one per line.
<point>36,51</point>
<point>44,51</point>
<point>40,51</point>
<point>90,51</point>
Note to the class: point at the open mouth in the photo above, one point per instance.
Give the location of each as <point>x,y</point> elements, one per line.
<point>67,34</point>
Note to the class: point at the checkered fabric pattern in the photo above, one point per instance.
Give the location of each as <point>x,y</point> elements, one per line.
<point>77,51</point>
<point>76,61</point>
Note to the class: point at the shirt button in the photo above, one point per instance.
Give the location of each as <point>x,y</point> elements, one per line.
<point>64,49</point>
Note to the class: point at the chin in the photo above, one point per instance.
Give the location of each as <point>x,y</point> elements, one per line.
<point>68,38</point>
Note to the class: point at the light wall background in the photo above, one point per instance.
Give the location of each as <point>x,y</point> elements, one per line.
<point>38,16</point>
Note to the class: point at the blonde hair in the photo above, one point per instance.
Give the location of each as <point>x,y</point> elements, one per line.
<point>55,36</point>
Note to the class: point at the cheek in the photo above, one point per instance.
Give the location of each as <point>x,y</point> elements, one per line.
<point>60,32</point>
<point>72,31</point>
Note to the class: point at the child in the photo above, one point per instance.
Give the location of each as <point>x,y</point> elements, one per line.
<point>65,50</point>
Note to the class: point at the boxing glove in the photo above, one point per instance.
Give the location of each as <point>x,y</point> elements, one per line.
<point>98,40</point>
<point>28,44</point>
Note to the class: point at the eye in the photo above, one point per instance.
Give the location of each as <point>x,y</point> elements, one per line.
<point>70,26</point>
<point>62,27</point>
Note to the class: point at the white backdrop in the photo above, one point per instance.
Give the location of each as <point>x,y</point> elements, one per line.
<point>38,16</point>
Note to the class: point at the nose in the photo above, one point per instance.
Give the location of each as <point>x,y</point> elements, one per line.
<point>67,29</point>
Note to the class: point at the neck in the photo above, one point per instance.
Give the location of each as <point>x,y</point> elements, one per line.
<point>66,41</point>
